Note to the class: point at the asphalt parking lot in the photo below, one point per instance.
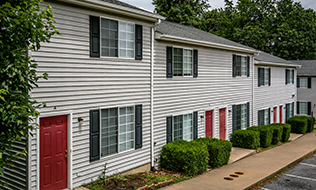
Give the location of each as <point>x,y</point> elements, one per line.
<point>302,176</point>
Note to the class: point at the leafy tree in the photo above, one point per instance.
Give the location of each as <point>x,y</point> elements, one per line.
<point>187,12</point>
<point>280,27</point>
<point>23,25</point>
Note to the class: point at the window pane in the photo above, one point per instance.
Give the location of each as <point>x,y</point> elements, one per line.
<point>243,66</point>
<point>187,127</point>
<point>109,33</point>
<point>187,63</point>
<point>243,116</point>
<point>238,65</point>
<point>126,135</point>
<point>126,39</point>
<point>109,131</point>
<point>303,108</point>
<point>266,76</point>
<point>266,117</point>
<point>303,82</point>
<point>177,62</point>
<point>177,127</point>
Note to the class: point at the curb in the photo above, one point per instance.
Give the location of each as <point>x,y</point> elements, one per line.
<point>280,170</point>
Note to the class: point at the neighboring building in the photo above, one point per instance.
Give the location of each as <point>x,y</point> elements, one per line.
<point>274,89</point>
<point>122,84</point>
<point>202,85</point>
<point>306,87</point>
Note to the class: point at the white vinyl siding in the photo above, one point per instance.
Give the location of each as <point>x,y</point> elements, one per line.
<point>117,39</point>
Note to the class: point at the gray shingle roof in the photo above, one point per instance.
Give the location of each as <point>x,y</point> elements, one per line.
<point>174,29</point>
<point>266,57</point>
<point>308,67</point>
<point>116,2</point>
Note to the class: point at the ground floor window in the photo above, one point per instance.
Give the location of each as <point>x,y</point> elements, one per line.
<point>303,108</point>
<point>289,108</point>
<point>183,127</point>
<point>264,117</point>
<point>240,116</point>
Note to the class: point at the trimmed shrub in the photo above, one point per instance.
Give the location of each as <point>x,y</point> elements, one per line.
<point>298,124</point>
<point>285,132</point>
<point>182,156</point>
<point>266,134</point>
<point>245,139</point>
<point>218,149</point>
<point>277,133</point>
<point>310,124</point>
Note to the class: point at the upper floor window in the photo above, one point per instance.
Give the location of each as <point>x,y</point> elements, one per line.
<point>182,127</point>
<point>182,62</point>
<point>241,65</point>
<point>240,116</point>
<point>112,38</point>
<point>264,117</point>
<point>304,82</point>
<point>289,76</point>
<point>264,76</point>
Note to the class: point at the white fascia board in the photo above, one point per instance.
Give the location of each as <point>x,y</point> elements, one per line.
<point>118,9</point>
<point>170,38</point>
<point>265,63</point>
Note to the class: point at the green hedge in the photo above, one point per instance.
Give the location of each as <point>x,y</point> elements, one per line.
<point>277,132</point>
<point>286,130</point>
<point>266,135</point>
<point>298,124</point>
<point>218,149</point>
<point>246,139</point>
<point>182,156</point>
<point>310,124</point>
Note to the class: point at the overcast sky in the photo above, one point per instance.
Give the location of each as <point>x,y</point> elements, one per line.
<point>146,4</point>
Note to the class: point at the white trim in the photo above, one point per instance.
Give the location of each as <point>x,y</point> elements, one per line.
<point>117,9</point>
<point>183,48</point>
<point>299,177</point>
<point>159,36</point>
<point>69,146</point>
<point>266,63</point>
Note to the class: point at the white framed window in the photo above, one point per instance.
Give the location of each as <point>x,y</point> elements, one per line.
<point>117,130</point>
<point>182,62</point>
<point>303,108</point>
<point>241,65</point>
<point>264,76</point>
<point>183,127</point>
<point>117,38</point>
<point>242,116</point>
<point>303,82</point>
<point>289,76</point>
<point>264,117</point>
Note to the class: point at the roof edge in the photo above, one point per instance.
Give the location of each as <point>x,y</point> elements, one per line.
<point>276,64</point>
<point>160,36</point>
<point>110,7</point>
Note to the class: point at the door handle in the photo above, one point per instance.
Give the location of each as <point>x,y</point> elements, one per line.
<point>66,155</point>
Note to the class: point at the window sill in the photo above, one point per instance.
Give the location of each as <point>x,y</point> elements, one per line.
<point>113,156</point>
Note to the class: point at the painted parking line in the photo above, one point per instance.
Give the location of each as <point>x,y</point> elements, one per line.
<point>312,165</point>
<point>310,179</point>
<point>265,188</point>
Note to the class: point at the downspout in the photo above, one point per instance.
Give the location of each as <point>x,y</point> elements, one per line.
<point>253,87</point>
<point>152,157</point>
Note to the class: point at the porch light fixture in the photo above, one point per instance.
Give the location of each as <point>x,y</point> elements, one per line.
<point>80,120</point>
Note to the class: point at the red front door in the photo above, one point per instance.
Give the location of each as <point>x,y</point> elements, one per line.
<point>222,123</point>
<point>280,114</point>
<point>209,124</point>
<point>274,114</point>
<point>53,151</point>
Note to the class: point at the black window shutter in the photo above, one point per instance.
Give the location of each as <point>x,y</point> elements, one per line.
<point>94,135</point>
<point>309,108</point>
<point>94,36</point>
<point>195,125</point>
<point>309,82</point>
<point>234,65</point>
<point>269,115</point>
<point>293,82</point>
<point>138,42</point>
<point>248,66</point>
<point>292,109</point>
<point>138,126</point>
<point>269,76</point>
<point>286,76</point>
<point>169,129</point>
<point>195,63</point>
<point>234,118</point>
<point>297,107</point>
<point>298,83</point>
<point>259,117</point>
<point>248,114</point>
<point>259,76</point>
<point>169,62</point>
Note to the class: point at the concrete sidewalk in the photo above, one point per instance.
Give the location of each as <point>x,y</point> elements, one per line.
<point>256,168</point>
